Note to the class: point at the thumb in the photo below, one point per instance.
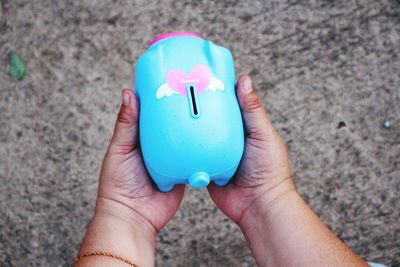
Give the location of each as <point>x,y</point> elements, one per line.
<point>125,136</point>
<point>255,117</point>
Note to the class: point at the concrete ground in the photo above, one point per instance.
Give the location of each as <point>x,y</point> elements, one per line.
<point>328,71</point>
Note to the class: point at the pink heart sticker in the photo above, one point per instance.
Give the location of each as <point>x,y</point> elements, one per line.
<point>199,76</point>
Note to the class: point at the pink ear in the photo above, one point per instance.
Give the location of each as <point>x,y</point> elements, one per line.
<point>199,76</point>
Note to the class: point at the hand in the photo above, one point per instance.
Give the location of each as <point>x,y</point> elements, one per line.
<point>262,199</point>
<point>264,171</point>
<point>129,209</point>
<point>125,185</point>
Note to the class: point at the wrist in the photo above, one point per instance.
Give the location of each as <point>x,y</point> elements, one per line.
<point>274,196</point>
<point>259,221</point>
<point>120,232</point>
<point>286,221</point>
<point>112,208</point>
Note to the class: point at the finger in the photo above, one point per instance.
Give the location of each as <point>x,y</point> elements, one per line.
<point>125,136</point>
<point>217,193</point>
<point>255,117</point>
<point>177,191</point>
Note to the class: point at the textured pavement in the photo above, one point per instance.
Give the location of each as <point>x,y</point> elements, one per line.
<point>329,74</point>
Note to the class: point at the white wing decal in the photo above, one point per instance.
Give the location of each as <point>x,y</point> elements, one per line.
<point>164,90</point>
<point>215,84</point>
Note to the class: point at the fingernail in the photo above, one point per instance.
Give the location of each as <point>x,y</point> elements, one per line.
<point>125,99</point>
<point>247,87</point>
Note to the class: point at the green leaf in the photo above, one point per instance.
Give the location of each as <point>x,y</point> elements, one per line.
<point>17,66</point>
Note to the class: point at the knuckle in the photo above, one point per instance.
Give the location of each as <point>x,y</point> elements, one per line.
<point>253,102</point>
<point>124,117</point>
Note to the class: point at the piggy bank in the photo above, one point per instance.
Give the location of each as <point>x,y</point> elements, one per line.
<point>190,125</point>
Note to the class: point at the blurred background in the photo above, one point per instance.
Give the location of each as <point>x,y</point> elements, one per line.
<point>328,72</point>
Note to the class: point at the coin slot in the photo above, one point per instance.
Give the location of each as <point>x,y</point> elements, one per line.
<point>194,105</point>
<point>193,101</point>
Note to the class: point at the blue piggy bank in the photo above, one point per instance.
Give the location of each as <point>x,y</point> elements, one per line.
<point>191,129</point>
